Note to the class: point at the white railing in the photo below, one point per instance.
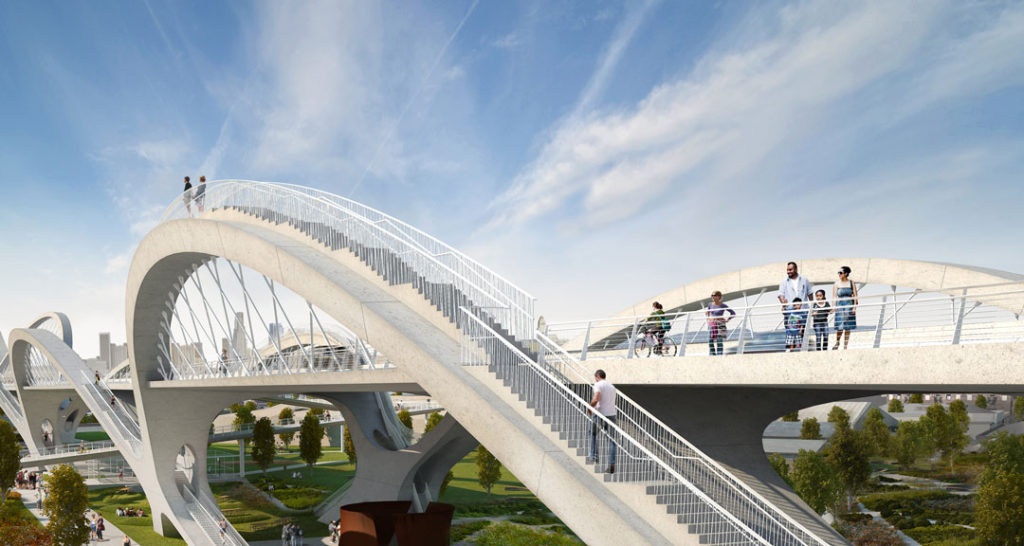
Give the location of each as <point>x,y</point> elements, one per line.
<point>204,517</point>
<point>569,414</point>
<point>124,420</point>
<point>703,471</point>
<point>965,315</point>
<point>319,359</point>
<point>8,402</point>
<point>326,418</point>
<point>40,370</point>
<point>390,247</point>
<point>74,447</point>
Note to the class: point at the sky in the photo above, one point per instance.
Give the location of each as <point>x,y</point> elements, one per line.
<point>595,153</point>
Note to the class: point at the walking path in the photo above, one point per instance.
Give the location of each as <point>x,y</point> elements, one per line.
<point>30,498</point>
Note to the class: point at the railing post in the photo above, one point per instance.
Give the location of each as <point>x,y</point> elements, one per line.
<point>881,321</point>
<point>632,338</point>
<point>743,328</point>
<point>586,342</point>
<point>682,340</point>
<point>958,327</point>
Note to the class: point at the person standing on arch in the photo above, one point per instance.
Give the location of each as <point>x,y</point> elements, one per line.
<point>792,287</point>
<point>186,196</point>
<point>844,293</point>
<point>201,193</point>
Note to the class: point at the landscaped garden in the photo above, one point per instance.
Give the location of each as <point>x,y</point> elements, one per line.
<point>107,500</point>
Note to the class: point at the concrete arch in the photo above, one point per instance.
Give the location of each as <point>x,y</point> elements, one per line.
<point>927,276</point>
<point>60,323</point>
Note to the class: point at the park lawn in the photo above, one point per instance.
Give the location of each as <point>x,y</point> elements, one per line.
<point>107,500</point>
<point>290,457</point>
<point>92,435</point>
<point>15,510</point>
<point>242,508</point>
<point>465,488</point>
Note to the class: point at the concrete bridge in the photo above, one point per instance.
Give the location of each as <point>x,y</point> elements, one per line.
<point>304,292</point>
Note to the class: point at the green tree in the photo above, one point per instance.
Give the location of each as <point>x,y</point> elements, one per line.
<point>791,417</point>
<point>848,454</point>
<point>816,481</point>
<point>1018,407</point>
<point>781,467</point>
<point>318,412</point>
<point>286,437</point>
<point>405,418</point>
<point>488,469</point>
<point>65,506</point>
<point>10,458</point>
<point>243,416</point>
<point>948,431</point>
<point>311,435</point>
<point>910,443</point>
<point>917,398</point>
<point>981,402</point>
<point>263,447</point>
<point>999,515</point>
<point>446,482</point>
<point>433,420</point>
<point>349,446</point>
<point>877,432</point>
<point>839,416</point>
<point>810,429</point>
<point>895,406</point>
<point>1005,454</point>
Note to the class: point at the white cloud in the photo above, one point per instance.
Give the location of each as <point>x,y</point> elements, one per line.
<point>508,41</point>
<point>740,108</point>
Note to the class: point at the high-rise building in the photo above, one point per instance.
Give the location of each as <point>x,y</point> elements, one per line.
<point>105,349</point>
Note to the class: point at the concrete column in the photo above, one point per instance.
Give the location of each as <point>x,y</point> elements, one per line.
<point>241,457</point>
<point>384,473</point>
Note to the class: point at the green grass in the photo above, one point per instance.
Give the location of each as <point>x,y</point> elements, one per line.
<point>92,435</point>
<point>290,457</point>
<point>107,500</point>
<point>13,510</point>
<point>243,508</point>
<point>461,531</point>
<point>465,489</point>
<point>510,534</point>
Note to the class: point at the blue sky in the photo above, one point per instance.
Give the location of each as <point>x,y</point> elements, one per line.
<point>594,152</point>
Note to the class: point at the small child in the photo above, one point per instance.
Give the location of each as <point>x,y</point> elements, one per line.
<point>820,311</point>
<point>795,321</point>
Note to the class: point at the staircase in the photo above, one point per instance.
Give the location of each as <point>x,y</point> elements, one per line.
<point>202,512</point>
<point>498,333</point>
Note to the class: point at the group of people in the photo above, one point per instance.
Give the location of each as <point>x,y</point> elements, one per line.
<point>27,480</point>
<point>131,512</point>
<point>799,303</point>
<point>334,528</point>
<point>96,528</point>
<point>198,196</point>
<point>291,535</point>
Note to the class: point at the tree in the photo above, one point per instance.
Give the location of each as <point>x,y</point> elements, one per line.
<point>488,469</point>
<point>877,432</point>
<point>1018,407</point>
<point>24,531</point>
<point>311,434</point>
<point>243,416</point>
<point>999,516</point>
<point>316,411</point>
<point>839,416</point>
<point>816,481</point>
<point>781,467</point>
<point>948,431</point>
<point>263,447</point>
<point>917,398</point>
<point>405,418</point>
<point>286,437</point>
<point>446,482</point>
<point>848,454</point>
<point>1005,454</point>
<point>895,406</point>
<point>349,446</point>
<point>66,505</point>
<point>791,417</point>
<point>10,459</point>
<point>810,429</point>
<point>433,420</point>
<point>981,402</point>
<point>910,443</point>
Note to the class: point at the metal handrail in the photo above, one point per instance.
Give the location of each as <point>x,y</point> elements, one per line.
<point>494,288</point>
<point>131,434</point>
<point>232,533</point>
<point>627,406</point>
<point>71,447</point>
<point>472,350</point>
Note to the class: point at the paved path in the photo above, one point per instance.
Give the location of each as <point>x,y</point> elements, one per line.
<point>306,542</point>
<point>112,535</point>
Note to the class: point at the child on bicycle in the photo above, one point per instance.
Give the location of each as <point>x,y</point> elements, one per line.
<point>657,324</point>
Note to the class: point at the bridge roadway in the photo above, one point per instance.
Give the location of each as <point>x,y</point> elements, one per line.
<point>722,404</point>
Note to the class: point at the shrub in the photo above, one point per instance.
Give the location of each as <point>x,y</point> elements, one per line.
<point>941,533</point>
<point>509,534</point>
<point>462,531</point>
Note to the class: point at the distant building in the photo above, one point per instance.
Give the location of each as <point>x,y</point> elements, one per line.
<point>784,437</point>
<point>111,355</point>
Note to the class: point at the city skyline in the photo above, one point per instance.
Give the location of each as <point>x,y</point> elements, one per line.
<point>628,147</point>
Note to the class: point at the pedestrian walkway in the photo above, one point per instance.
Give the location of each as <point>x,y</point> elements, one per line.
<point>30,498</point>
<point>306,542</point>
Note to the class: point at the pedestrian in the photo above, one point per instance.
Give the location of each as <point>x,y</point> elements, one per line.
<point>186,197</point>
<point>657,324</point>
<point>92,529</point>
<point>201,193</point>
<point>796,320</point>
<point>100,527</point>
<point>120,475</point>
<point>223,526</point>
<point>111,402</point>
<point>844,293</point>
<point>97,381</point>
<point>820,311</point>
<point>298,535</point>
<point>127,541</point>
<point>793,286</point>
<point>603,404</point>
<point>286,536</point>
<point>716,323</point>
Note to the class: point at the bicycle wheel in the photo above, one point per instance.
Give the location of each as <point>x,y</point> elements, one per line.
<point>669,348</point>
<point>641,348</point>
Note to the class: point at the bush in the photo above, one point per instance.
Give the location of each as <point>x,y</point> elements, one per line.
<point>509,534</point>
<point>900,499</point>
<point>299,498</point>
<point>501,508</point>
<point>933,534</point>
<point>535,519</point>
<point>462,531</point>
<point>855,517</point>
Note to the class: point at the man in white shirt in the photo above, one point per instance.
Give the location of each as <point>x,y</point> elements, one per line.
<point>603,403</point>
<point>794,286</point>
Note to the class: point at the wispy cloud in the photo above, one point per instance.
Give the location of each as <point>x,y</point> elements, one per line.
<point>508,41</point>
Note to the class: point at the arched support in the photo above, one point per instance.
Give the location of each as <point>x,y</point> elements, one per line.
<point>414,473</point>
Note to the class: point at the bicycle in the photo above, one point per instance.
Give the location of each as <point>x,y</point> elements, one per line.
<point>647,343</point>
